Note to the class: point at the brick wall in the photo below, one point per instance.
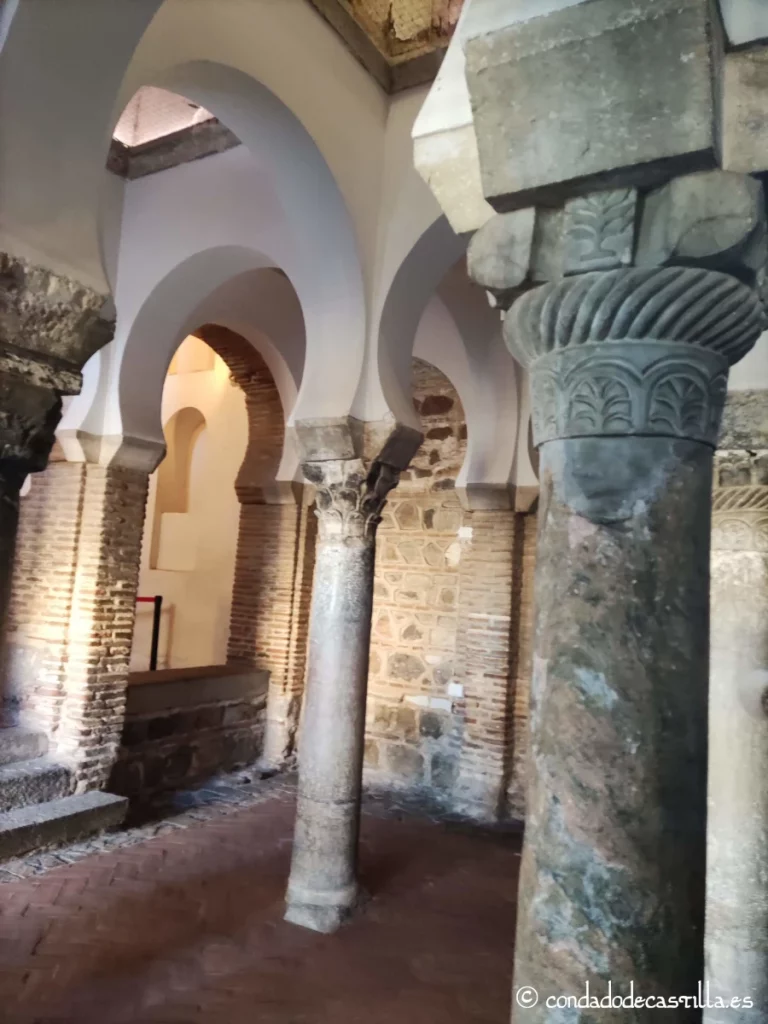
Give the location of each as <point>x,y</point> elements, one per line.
<point>490,583</point>
<point>525,574</point>
<point>72,610</point>
<point>41,596</point>
<point>270,610</point>
<point>275,552</point>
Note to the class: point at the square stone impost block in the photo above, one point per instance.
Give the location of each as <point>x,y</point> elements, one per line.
<point>610,94</point>
<point>745,111</point>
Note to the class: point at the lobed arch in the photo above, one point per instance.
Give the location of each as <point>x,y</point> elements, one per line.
<point>386,383</point>
<point>262,311</point>
<point>313,221</point>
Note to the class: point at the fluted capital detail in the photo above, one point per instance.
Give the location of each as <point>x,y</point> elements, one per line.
<point>634,351</point>
<point>350,497</point>
<point>687,305</point>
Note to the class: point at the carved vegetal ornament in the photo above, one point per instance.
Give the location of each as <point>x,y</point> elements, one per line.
<point>642,352</point>
<point>350,497</point>
<point>740,513</point>
<point>650,300</point>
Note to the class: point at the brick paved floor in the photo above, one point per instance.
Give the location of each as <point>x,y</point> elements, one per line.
<point>187,928</point>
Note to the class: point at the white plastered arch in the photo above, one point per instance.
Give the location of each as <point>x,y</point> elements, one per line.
<point>59,79</point>
<point>386,383</point>
<point>461,335</point>
<point>234,287</point>
<point>317,238</point>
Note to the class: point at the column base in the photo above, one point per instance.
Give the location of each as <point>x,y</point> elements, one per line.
<point>320,912</point>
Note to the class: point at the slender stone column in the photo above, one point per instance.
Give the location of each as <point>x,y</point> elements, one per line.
<point>629,374</point>
<point>323,886</point>
<point>737,846</point>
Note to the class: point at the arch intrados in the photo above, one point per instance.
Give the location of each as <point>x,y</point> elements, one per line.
<point>163,321</point>
<point>317,220</point>
<point>415,282</point>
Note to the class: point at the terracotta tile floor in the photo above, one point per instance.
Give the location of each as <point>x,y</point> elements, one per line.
<point>187,928</point>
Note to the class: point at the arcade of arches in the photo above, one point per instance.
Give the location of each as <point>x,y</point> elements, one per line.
<point>383,510</point>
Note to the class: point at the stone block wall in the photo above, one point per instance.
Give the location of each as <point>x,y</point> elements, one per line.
<point>183,726</point>
<point>411,729</point>
<point>445,714</point>
<point>72,610</point>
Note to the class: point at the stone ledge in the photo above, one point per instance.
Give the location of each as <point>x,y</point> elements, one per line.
<point>19,744</point>
<point>177,689</point>
<point>32,782</point>
<point>65,820</point>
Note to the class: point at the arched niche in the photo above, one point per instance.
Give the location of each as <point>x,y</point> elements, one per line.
<point>182,432</point>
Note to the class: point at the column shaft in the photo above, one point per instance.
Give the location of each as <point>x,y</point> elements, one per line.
<point>612,884</point>
<point>323,874</point>
<point>737,852</point>
<point>323,885</point>
<point>629,372</point>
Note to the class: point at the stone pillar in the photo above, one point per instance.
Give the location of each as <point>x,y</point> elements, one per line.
<point>49,327</point>
<point>351,494</point>
<point>629,369</point>
<point>737,850</point>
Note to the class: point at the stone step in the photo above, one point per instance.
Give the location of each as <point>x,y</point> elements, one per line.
<point>59,821</point>
<point>32,782</point>
<point>18,744</point>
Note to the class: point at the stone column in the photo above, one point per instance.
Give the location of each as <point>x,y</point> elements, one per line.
<point>737,847</point>
<point>629,374</point>
<point>351,494</point>
<point>49,327</point>
<point>629,368</point>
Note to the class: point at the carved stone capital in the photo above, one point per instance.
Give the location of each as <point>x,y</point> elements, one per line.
<point>58,319</point>
<point>29,415</point>
<point>633,352</point>
<point>350,497</point>
<point>49,327</point>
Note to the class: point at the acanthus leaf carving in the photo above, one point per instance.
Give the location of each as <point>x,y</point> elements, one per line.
<point>649,388</point>
<point>600,404</point>
<point>350,496</point>
<point>600,231</point>
<point>679,405</point>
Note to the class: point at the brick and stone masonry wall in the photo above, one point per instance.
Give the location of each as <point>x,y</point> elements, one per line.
<point>270,611</point>
<point>445,714</point>
<point>76,580</point>
<point>184,725</point>
<point>72,610</point>
<point>275,552</point>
